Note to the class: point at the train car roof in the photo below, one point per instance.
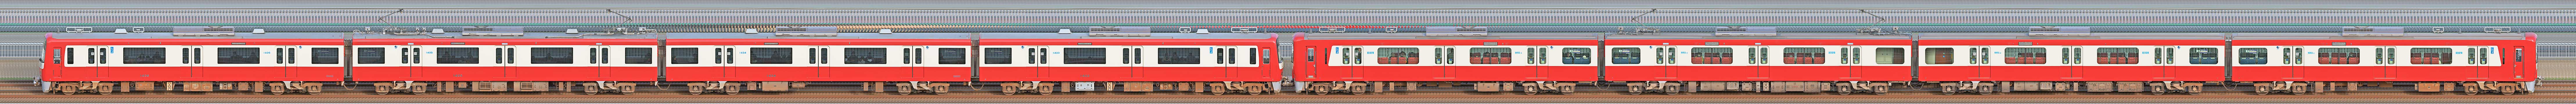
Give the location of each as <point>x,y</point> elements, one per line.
<point>533,35</point>
<point>1154,36</point>
<point>2094,36</point>
<point>2406,36</point>
<point>771,35</point>
<point>165,35</point>
<point>1415,36</point>
<point>1782,35</point>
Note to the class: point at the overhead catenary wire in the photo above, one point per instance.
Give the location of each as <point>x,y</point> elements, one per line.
<point>381,19</point>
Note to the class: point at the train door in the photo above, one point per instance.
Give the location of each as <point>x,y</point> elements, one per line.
<point>506,57</point>
<point>1226,60</point>
<point>599,60</point>
<point>2164,59</point>
<point>1351,58</point>
<point>2296,61</point>
<point>725,56</point>
<point>192,57</point>
<point>1537,56</point>
<point>2478,60</point>
<point>411,61</point>
<point>286,60</point>
<point>2385,57</point>
<point>818,55</point>
<point>1665,60</point>
<point>1978,57</point>
<point>1761,61</point>
<point>2518,64</point>
<point>911,59</point>
<point>1446,58</point>
<point>2070,57</point>
<point>1135,60</point>
<point>1851,60</point>
<point>1038,58</point>
<point>97,57</point>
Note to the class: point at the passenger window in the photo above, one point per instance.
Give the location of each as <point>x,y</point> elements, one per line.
<point>684,55</point>
<point>863,55</point>
<point>1578,56</point>
<point>1891,55</point>
<point>1176,56</point>
<point>453,55</point>
<point>1399,55</point>
<point>1803,55</point>
<point>369,56</point>
<point>2251,56</point>
<point>1625,56</point>
<point>639,55</point>
<point>2338,55</point>
<point>1086,55</point>
<point>236,55</point>
<point>1489,55</point>
<point>2115,55</point>
<point>1712,55</point>
<point>326,55</point>
<point>997,55</point>
<point>2429,56</point>
<point>146,55</point>
<point>550,55</point>
<point>773,55</point>
<point>1940,55</point>
<point>2204,55</point>
<point>2026,56</point>
<point>952,55</point>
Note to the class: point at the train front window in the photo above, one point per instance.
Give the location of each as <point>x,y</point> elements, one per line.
<point>1086,55</point>
<point>2429,56</point>
<point>146,55</point>
<point>1489,55</point>
<point>2251,56</point>
<point>1803,55</point>
<point>236,55</point>
<point>1712,55</point>
<point>1176,55</point>
<point>2026,56</point>
<point>2115,55</point>
<point>2338,55</point>
<point>1399,55</point>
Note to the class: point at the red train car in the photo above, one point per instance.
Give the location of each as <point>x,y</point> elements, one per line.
<point>1128,59</point>
<point>2494,62</point>
<point>2155,63</point>
<point>498,58</point>
<point>195,58</point>
<point>1447,56</point>
<point>1760,62</point>
<point>779,61</point>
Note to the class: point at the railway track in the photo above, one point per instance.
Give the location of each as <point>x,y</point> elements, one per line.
<point>2372,97</point>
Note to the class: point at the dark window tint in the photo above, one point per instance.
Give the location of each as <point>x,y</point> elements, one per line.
<point>1940,55</point>
<point>1802,55</point>
<point>1489,55</point>
<point>2204,55</point>
<point>326,55</point>
<point>1712,55</point>
<point>952,55</point>
<point>2250,56</point>
<point>550,55</point>
<point>1176,55</point>
<point>1086,55</point>
<point>2026,56</point>
<point>639,55</point>
<point>146,55</point>
<point>997,55</point>
<point>773,55</point>
<point>236,55</point>
<point>459,55</point>
<point>684,55</point>
<point>2115,56</point>
<point>1578,56</point>
<point>1399,55</point>
<point>1625,56</point>
<point>2338,55</point>
<point>863,55</point>
<point>370,56</point>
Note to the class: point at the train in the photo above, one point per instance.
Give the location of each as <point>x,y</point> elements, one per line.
<point>1322,60</point>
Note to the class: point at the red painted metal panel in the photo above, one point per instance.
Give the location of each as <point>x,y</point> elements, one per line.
<point>57,71</point>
